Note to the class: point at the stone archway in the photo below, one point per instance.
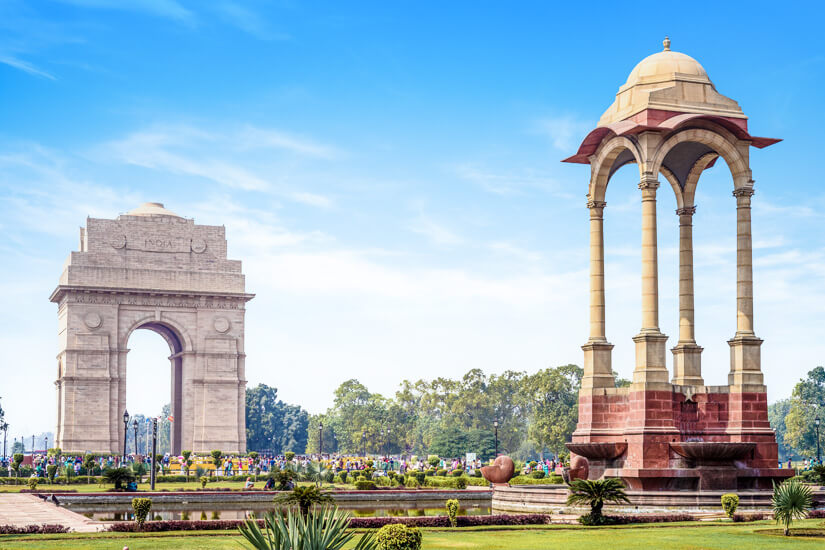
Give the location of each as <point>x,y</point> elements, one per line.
<point>151,269</point>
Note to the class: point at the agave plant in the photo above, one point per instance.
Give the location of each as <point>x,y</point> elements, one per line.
<point>791,500</point>
<point>304,498</point>
<point>595,493</point>
<point>326,529</point>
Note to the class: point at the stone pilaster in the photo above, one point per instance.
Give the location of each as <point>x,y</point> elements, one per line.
<point>687,356</point>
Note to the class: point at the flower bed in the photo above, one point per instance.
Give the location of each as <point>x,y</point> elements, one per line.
<point>45,529</point>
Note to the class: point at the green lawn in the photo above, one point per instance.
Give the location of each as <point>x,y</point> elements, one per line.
<point>721,536</point>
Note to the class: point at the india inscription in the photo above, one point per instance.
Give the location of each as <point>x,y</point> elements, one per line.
<point>151,269</point>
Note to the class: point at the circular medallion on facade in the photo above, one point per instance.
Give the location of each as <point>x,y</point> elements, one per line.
<point>92,320</point>
<point>198,246</point>
<point>119,241</point>
<point>221,324</point>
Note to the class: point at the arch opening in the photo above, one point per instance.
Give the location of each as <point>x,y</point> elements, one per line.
<point>146,383</point>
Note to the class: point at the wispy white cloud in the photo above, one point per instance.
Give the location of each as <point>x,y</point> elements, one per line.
<point>515,183</point>
<point>247,20</point>
<point>434,231</point>
<point>221,156</point>
<point>565,132</point>
<point>171,9</point>
<point>25,66</point>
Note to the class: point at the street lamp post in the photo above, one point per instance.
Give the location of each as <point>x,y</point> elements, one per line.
<point>495,425</point>
<point>135,425</point>
<point>320,439</point>
<point>364,442</point>
<point>125,432</point>
<point>46,443</point>
<point>154,450</point>
<point>818,456</point>
<point>5,433</point>
<point>32,445</point>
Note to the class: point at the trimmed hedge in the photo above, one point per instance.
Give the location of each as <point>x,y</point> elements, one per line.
<point>552,479</point>
<point>45,529</point>
<point>397,536</point>
<point>355,523</point>
<point>755,516</point>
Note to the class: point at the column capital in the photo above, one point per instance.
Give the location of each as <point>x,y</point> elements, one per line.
<point>595,204</point>
<point>686,211</point>
<point>743,192</point>
<point>649,183</point>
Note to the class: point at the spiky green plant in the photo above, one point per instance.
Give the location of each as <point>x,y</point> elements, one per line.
<point>304,498</point>
<point>118,476</point>
<point>316,472</point>
<point>596,493</point>
<point>791,500</point>
<point>325,529</point>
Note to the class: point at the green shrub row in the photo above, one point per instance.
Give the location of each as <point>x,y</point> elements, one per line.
<point>552,479</point>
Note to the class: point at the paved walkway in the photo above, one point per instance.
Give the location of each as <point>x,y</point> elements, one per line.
<point>27,509</point>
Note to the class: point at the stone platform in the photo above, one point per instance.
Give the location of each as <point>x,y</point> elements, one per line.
<point>22,510</point>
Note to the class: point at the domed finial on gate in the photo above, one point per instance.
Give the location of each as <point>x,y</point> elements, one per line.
<point>666,43</point>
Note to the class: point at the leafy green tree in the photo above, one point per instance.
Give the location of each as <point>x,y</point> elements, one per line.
<point>271,424</point>
<point>807,400</point>
<point>777,412</point>
<point>552,398</point>
<point>449,443</point>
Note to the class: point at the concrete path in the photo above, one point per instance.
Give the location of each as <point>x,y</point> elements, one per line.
<point>27,509</point>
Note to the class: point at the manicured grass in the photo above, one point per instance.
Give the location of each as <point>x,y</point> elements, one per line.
<point>714,536</point>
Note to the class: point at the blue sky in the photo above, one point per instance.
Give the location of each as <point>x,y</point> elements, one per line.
<point>389,174</point>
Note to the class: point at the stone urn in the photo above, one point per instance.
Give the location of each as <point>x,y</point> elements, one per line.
<point>500,472</point>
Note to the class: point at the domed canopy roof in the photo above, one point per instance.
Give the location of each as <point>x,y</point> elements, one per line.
<point>151,209</point>
<point>669,81</point>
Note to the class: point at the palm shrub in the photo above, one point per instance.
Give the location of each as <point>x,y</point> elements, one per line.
<point>791,500</point>
<point>730,502</point>
<point>216,458</point>
<point>317,472</point>
<point>304,498</point>
<point>595,493</point>
<point>141,506</point>
<point>452,511</point>
<point>397,536</point>
<point>327,529</point>
<point>118,476</point>
<point>89,464</point>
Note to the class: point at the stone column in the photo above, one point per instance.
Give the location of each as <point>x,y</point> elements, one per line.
<point>598,370</point>
<point>650,372</point>
<point>687,366</point>
<point>745,368</point>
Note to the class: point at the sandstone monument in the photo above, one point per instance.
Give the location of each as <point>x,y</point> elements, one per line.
<point>151,269</point>
<point>673,432</point>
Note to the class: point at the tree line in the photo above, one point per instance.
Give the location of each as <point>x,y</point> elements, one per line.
<point>794,418</point>
<point>536,414</point>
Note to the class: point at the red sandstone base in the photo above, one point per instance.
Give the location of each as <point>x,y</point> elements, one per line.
<point>659,440</point>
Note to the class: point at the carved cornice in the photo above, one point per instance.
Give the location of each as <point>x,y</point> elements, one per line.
<point>64,295</point>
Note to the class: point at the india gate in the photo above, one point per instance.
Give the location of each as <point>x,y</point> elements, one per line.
<point>151,269</point>
<point>670,430</point>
